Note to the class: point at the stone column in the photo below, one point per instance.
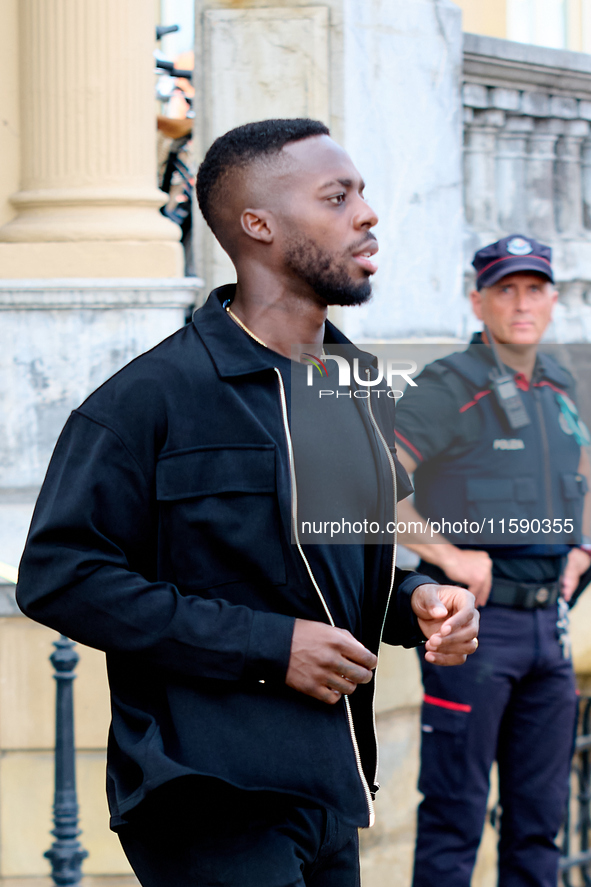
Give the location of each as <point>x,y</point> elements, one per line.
<point>480,143</point>
<point>511,159</point>
<point>88,201</point>
<point>540,177</point>
<point>569,179</point>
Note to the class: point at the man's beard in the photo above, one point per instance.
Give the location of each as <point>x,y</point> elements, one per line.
<point>326,273</point>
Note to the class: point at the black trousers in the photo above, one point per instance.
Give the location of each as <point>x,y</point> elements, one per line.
<point>196,832</point>
<point>513,700</point>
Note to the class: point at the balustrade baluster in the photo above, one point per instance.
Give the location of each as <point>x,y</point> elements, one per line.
<point>479,169</point>
<point>541,162</point>
<point>569,178</point>
<point>511,173</point>
<point>586,183</point>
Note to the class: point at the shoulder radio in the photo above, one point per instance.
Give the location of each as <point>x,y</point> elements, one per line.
<point>506,391</point>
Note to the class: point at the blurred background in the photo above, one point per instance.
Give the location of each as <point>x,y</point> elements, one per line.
<point>468,120</point>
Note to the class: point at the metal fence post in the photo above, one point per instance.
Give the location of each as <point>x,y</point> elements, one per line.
<point>66,853</point>
<point>577,825</point>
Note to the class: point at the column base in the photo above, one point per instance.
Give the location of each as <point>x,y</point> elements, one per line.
<point>115,258</point>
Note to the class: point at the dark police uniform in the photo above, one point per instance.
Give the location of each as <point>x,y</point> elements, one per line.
<point>514,699</point>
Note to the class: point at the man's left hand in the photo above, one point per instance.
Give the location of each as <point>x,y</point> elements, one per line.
<point>449,620</point>
<point>577,562</point>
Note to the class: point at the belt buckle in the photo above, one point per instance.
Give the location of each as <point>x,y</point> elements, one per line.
<point>542,596</point>
<point>536,597</point>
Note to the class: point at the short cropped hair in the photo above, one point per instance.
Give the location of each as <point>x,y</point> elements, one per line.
<point>242,146</point>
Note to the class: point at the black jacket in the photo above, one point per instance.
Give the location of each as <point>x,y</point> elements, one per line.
<point>162,536</point>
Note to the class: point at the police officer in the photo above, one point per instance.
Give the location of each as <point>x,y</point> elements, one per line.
<point>495,442</point>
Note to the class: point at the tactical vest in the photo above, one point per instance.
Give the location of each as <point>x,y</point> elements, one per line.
<point>502,487</point>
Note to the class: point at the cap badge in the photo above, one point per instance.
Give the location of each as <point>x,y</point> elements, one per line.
<point>517,246</point>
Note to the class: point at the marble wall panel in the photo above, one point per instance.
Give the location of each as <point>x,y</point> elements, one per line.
<point>261,63</point>
<point>402,124</point>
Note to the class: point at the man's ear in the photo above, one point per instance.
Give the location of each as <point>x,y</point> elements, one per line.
<point>258,224</point>
<point>476,300</point>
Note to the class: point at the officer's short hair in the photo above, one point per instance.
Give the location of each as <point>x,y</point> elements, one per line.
<point>242,146</point>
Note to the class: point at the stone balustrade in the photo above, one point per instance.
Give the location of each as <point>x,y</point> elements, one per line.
<point>527,161</point>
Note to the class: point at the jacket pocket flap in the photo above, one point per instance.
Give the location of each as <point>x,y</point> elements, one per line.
<point>525,489</point>
<point>574,486</point>
<point>209,471</point>
<point>489,489</point>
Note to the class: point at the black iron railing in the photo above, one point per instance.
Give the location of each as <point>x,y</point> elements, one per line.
<point>576,852</point>
<point>66,853</point>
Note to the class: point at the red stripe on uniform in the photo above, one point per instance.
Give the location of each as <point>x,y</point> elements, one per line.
<point>445,703</point>
<point>408,444</point>
<point>472,403</point>
<point>550,385</point>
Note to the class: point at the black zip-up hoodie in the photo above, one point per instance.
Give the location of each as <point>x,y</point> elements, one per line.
<point>162,535</point>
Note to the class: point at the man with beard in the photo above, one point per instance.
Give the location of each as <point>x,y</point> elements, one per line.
<point>162,535</point>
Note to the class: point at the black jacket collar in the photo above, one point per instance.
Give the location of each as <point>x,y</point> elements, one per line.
<point>234,353</point>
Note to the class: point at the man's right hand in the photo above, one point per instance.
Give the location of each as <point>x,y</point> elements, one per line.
<point>471,568</point>
<point>327,662</point>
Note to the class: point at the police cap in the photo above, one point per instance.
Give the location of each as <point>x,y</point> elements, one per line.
<point>513,253</point>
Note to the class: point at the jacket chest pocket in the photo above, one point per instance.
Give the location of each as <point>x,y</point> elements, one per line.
<point>219,517</point>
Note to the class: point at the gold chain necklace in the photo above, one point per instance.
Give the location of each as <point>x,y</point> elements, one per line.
<point>250,333</point>
<point>245,328</point>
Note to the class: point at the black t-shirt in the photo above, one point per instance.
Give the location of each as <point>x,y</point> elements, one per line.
<point>337,480</point>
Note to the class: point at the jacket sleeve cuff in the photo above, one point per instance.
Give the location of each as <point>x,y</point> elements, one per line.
<point>412,636</point>
<point>269,647</point>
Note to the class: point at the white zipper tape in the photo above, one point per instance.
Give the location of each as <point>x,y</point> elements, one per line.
<point>294,501</point>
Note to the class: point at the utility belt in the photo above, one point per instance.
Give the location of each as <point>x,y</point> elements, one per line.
<point>524,595</point>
